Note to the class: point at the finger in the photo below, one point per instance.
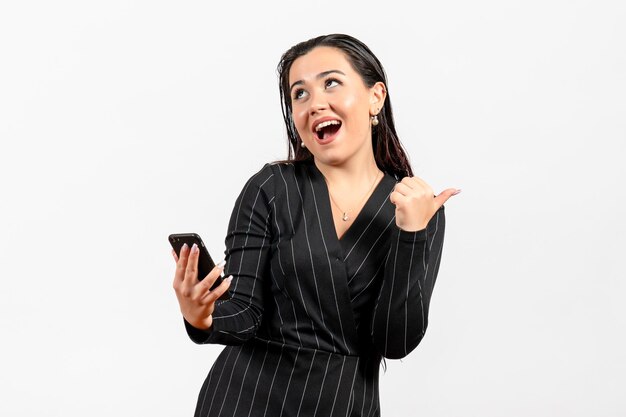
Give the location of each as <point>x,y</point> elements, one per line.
<point>214,295</point>
<point>397,199</point>
<point>208,281</point>
<point>444,196</point>
<point>403,189</point>
<point>415,187</point>
<point>408,181</point>
<point>191,271</point>
<point>181,264</point>
<point>420,183</point>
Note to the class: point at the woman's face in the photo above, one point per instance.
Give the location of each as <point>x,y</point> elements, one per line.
<point>327,92</point>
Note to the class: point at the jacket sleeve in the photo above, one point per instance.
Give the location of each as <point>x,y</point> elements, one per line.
<point>248,244</point>
<point>401,312</point>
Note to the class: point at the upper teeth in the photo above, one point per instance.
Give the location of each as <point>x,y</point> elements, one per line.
<point>327,123</point>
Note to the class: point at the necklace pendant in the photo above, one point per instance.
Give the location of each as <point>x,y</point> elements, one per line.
<point>345,217</point>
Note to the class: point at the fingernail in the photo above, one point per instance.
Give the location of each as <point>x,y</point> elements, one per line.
<point>221,263</point>
<point>185,247</point>
<point>229,279</point>
<point>194,248</point>
<point>456,192</point>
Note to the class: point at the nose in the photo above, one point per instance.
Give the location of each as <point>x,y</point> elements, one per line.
<point>317,103</point>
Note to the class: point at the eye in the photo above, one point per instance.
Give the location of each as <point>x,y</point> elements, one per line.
<point>330,81</point>
<point>297,94</point>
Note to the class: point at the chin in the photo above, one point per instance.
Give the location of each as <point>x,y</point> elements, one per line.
<point>327,159</point>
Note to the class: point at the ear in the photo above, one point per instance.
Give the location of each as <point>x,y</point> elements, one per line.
<point>378,93</point>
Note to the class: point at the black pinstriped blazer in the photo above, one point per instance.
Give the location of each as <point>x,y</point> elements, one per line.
<point>312,315</point>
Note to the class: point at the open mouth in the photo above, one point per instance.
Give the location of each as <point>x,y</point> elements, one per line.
<point>327,130</point>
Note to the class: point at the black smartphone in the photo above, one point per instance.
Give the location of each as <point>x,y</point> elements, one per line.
<point>205,262</point>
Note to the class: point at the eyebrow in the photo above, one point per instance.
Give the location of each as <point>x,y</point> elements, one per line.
<point>320,75</point>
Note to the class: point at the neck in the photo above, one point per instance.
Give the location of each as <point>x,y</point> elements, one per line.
<point>350,173</point>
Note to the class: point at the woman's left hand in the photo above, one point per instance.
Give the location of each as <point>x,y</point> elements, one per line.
<point>416,203</point>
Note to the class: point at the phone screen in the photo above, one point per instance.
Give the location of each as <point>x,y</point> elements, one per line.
<point>205,262</point>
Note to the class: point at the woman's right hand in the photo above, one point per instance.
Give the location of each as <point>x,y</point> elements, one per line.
<point>195,298</point>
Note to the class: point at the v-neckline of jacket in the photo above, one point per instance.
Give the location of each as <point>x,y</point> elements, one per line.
<point>372,204</point>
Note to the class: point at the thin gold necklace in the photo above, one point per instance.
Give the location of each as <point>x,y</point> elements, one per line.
<point>345,217</point>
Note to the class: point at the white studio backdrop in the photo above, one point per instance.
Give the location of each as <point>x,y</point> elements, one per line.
<point>122,122</point>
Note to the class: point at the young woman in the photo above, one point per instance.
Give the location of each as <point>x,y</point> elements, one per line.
<point>331,255</point>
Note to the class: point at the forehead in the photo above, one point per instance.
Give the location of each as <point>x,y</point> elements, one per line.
<point>317,60</point>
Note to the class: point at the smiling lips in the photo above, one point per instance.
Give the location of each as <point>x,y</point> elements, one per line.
<point>326,129</point>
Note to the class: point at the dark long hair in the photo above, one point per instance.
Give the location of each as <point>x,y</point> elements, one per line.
<point>388,151</point>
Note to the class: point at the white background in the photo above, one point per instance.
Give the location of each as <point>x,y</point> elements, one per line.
<point>124,121</point>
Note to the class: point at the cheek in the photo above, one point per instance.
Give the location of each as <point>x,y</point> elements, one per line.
<point>352,102</point>
<point>299,119</point>
<point>358,115</point>
<point>355,107</point>
<point>299,113</point>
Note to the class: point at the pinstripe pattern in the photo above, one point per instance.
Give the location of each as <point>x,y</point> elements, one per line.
<point>312,315</point>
